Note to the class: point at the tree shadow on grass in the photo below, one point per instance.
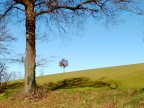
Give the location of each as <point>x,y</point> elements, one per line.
<point>16,85</point>
<point>80,82</point>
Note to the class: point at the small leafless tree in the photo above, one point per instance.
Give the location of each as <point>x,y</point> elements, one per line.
<point>41,72</point>
<point>14,76</point>
<point>63,63</point>
<point>4,77</point>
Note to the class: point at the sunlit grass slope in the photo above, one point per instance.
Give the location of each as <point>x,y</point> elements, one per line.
<point>129,94</point>
<point>127,76</point>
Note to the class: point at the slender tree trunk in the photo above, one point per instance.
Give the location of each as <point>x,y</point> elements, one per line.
<point>30,64</point>
<point>64,69</point>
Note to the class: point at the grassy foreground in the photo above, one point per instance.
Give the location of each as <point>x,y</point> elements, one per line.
<point>129,94</point>
<point>81,98</point>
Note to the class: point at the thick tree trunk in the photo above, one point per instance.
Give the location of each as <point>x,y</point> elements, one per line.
<point>30,64</point>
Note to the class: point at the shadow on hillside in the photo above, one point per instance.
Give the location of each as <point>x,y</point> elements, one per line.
<point>3,87</point>
<point>16,85</point>
<point>80,82</point>
<point>68,84</point>
<point>6,86</point>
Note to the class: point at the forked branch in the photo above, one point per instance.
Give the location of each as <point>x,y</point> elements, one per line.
<point>6,12</point>
<point>51,6</point>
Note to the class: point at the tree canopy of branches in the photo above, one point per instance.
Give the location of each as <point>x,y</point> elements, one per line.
<point>63,63</point>
<point>61,13</point>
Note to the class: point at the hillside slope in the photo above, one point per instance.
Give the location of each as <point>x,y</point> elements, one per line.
<point>129,94</point>
<point>129,76</point>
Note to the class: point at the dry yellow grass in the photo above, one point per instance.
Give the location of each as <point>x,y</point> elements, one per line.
<point>82,98</point>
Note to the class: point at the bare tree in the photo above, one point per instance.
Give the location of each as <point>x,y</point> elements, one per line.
<point>5,39</point>
<point>14,76</point>
<point>58,12</point>
<point>3,73</point>
<point>4,77</point>
<point>63,63</point>
<point>41,72</point>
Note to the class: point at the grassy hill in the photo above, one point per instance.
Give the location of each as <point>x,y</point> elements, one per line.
<point>128,76</point>
<point>129,94</point>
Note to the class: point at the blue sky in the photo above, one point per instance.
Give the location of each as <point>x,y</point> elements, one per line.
<point>95,47</point>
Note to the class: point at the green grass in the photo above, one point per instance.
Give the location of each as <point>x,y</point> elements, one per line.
<point>128,76</point>
<point>129,94</point>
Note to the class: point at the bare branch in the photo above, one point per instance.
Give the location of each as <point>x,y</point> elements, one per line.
<point>43,2</point>
<point>23,2</point>
<point>101,6</point>
<point>65,7</point>
<point>5,13</point>
<point>132,6</point>
<point>5,39</point>
<point>79,6</point>
<point>19,9</point>
<point>141,13</point>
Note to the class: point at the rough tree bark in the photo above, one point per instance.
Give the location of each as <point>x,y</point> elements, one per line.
<point>30,64</point>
